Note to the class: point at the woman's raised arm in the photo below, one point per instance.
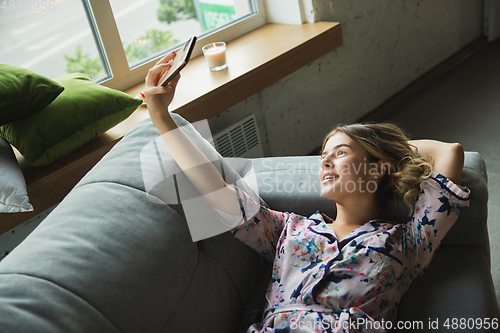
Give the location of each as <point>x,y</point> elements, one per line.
<point>195,165</point>
<point>448,158</point>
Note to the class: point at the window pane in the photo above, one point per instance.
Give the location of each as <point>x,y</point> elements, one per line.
<point>48,37</point>
<point>150,27</point>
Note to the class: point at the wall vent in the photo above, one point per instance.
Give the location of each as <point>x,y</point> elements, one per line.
<point>240,139</point>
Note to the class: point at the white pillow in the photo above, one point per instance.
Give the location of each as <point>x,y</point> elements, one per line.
<point>13,195</point>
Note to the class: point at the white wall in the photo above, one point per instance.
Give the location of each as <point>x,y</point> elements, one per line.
<point>387,45</point>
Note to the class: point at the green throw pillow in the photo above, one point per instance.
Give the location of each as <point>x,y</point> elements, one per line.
<point>82,112</point>
<point>23,92</point>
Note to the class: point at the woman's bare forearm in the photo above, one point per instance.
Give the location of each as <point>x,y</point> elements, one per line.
<point>195,165</point>
<point>448,158</point>
<point>188,156</point>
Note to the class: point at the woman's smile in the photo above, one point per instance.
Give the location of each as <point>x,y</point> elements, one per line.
<point>327,177</point>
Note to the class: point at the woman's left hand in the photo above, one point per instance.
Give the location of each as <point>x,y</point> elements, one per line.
<point>158,98</point>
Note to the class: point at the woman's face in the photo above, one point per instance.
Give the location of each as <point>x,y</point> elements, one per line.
<point>345,170</point>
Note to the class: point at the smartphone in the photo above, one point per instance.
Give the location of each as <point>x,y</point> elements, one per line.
<point>180,61</point>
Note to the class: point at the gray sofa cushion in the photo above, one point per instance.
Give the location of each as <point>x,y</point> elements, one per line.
<point>32,304</point>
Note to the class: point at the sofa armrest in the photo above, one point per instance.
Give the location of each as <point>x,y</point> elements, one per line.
<point>471,227</point>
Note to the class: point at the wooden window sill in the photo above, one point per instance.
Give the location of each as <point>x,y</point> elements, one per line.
<point>256,60</point>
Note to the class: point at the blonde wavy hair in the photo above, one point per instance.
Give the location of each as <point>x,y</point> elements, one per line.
<point>406,168</point>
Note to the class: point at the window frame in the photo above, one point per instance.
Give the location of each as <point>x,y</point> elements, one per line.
<point>120,75</point>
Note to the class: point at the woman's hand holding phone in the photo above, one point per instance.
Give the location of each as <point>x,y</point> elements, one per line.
<point>158,98</point>
<point>161,82</point>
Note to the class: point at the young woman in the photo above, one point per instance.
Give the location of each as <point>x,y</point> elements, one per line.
<point>345,274</point>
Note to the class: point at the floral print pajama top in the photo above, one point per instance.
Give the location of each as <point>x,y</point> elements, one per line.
<point>321,284</point>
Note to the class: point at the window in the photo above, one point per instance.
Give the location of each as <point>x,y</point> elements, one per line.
<point>163,24</point>
<point>114,41</point>
<point>48,38</point>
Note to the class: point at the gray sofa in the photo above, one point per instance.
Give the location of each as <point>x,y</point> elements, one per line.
<point>108,259</point>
